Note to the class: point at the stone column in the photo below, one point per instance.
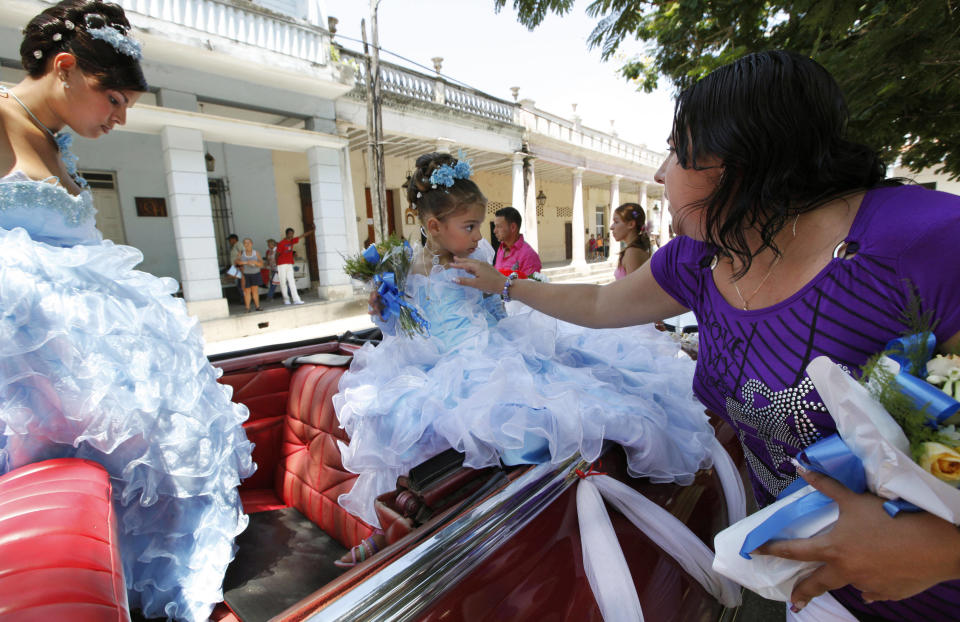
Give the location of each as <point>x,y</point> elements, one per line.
<point>517,197</point>
<point>529,228</point>
<point>579,240</point>
<point>665,219</point>
<point>642,198</point>
<point>614,204</point>
<point>188,196</point>
<point>331,221</point>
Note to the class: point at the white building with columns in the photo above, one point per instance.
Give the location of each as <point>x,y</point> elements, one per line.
<point>237,135</point>
<point>519,152</point>
<point>256,121</point>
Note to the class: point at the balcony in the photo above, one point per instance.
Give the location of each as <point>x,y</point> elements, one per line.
<point>432,90</point>
<point>241,22</point>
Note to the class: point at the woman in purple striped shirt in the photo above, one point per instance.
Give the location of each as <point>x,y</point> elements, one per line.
<point>792,245</point>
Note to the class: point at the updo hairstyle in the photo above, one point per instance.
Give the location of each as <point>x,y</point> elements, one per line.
<point>632,212</point>
<point>441,201</point>
<point>63,28</point>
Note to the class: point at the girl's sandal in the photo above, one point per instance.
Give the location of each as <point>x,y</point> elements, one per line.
<point>367,548</point>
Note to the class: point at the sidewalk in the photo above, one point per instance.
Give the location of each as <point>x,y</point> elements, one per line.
<point>283,324</point>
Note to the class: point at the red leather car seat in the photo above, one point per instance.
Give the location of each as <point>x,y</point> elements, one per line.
<point>311,475</point>
<point>59,558</point>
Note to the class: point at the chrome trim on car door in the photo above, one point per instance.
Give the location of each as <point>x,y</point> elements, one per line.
<point>409,585</point>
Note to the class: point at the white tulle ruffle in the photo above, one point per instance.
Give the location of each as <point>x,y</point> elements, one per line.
<point>99,361</point>
<point>525,387</point>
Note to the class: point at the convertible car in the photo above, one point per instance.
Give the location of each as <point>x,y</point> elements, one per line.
<point>474,545</point>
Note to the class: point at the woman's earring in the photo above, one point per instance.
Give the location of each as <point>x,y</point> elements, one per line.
<point>63,80</point>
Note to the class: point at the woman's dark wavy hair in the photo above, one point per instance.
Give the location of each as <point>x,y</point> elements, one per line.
<point>633,212</point>
<point>440,202</point>
<point>777,121</point>
<point>49,34</point>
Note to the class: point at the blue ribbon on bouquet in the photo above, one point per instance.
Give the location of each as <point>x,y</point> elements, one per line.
<point>372,255</point>
<point>939,405</point>
<point>829,456</point>
<point>393,299</point>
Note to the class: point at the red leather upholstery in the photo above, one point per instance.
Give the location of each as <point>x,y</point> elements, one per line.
<point>312,476</point>
<point>264,392</point>
<point>59,558</point>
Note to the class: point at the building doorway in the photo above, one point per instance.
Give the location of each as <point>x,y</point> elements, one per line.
<point>568,240</point>
<point>103,189</point>
<point>390,215</point>
<point>310,241</point>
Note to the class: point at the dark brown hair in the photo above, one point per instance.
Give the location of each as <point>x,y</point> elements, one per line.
<point>777,121</point>
<point>440,201</point>
<point>50,33</point>
<point>632,212</point>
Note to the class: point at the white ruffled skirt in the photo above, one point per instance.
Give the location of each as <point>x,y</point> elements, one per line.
<point>528,389</point>
<point>99,361</point>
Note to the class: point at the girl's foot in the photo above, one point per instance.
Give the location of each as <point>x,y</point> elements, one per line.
<point>367,548</point>
<point>248,309</point>
<point>259,309</point>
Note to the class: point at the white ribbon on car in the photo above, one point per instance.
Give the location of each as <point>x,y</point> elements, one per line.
<point>603,559</point>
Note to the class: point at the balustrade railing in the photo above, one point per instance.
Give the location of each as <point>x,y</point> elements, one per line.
<point>242,23</point>
<point>421,87</point>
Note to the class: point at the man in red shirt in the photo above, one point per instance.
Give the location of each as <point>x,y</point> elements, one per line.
<point>514,253</point>
<point>285,266</point>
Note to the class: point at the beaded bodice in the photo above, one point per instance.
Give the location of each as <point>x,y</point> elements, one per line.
<point>47,211</point>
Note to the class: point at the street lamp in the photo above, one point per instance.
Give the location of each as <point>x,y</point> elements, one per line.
<point>541,199</point>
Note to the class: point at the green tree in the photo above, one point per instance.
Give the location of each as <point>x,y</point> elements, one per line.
<point>897,61</point>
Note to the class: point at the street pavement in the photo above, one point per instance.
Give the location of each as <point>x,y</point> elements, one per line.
<point>311,331</point>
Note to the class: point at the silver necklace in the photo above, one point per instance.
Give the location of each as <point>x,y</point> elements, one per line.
<point>745,301</point>
<point>5,91</point>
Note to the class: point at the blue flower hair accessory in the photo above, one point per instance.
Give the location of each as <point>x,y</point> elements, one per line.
<point>445,175</point>
<point>121,42</point>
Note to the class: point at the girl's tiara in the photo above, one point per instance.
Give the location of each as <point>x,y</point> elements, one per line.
<point>114,34</point>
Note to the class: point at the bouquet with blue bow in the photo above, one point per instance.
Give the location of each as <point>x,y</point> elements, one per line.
<point>384,267</point>
<point>896,437</point>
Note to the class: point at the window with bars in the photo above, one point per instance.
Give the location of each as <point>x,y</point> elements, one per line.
<point>104,181</point>
<point>493,206</point>
<point>564,212</point>
<point>222,213</point>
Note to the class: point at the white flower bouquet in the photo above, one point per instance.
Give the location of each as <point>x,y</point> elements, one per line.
<point>895,438</point>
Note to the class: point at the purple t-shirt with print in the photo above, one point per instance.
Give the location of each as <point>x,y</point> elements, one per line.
<point>751,364</point>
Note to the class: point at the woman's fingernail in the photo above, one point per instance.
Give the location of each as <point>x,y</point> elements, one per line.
<point>798,466</point>
<point>797,606</point>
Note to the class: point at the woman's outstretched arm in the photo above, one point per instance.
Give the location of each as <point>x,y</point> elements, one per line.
<point>634,299</point>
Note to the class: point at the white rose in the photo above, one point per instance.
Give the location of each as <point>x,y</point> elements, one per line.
<point>942,462</point>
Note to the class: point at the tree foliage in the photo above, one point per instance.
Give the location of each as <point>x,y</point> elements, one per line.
<point>897,61</point>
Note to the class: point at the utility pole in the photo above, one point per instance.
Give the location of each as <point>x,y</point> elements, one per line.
<point>378,192</point>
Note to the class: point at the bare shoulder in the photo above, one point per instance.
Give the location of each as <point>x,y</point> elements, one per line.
<point>634,257</point>
<point>7,158</point>
<point>23,147</point>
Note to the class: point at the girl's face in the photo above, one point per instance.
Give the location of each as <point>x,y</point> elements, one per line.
<point>458,233</point>
<point>686,189</point>
<point>92,111</point>
<point>620,228</point>
<point>248,245</point>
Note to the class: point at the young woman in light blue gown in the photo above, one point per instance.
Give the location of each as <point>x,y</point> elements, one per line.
<point>522,388</point>
<point>98,360</point>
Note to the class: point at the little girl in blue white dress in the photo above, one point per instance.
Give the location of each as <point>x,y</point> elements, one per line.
<point>98,360</point>
<point>523,388</point>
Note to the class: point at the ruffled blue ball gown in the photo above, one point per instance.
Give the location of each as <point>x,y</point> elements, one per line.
<point>99,361</point>
<point>524,388</point>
